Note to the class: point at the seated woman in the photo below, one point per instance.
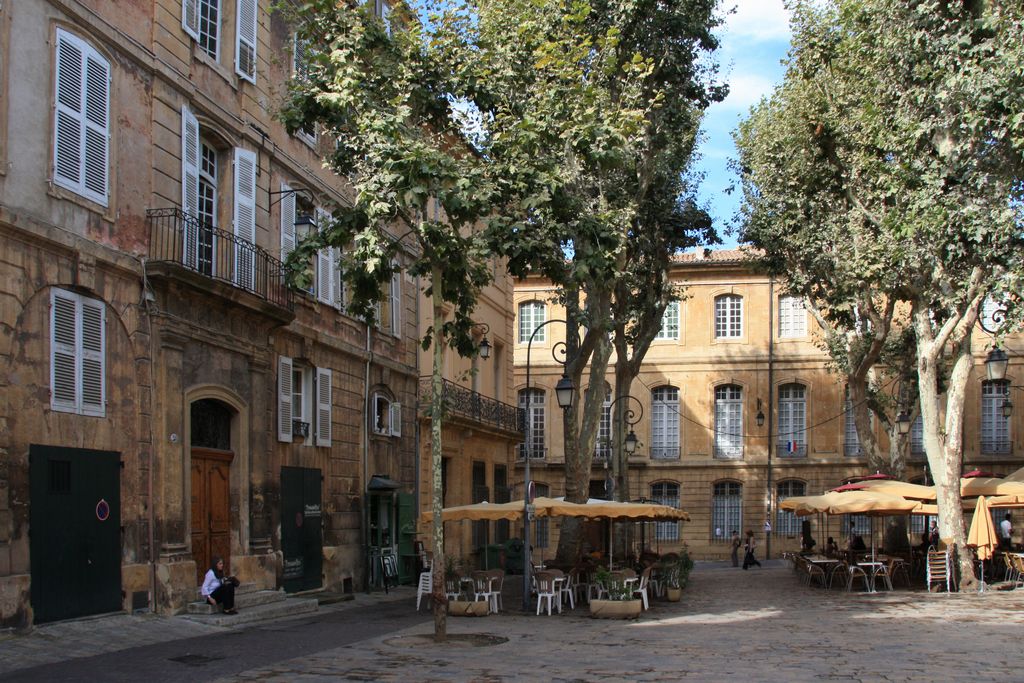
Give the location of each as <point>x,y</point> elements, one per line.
<point>219,589</point>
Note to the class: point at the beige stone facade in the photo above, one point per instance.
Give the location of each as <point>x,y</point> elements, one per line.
<point>120,123</point>
<point>763,356</point>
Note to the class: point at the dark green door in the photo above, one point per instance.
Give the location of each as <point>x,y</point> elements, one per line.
<point>302,540</point>
<point>75,539</point>
<point>408,568</point>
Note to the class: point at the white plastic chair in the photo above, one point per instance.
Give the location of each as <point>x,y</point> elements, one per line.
<point>567,589</point>
<point>547,591</point>
<point>641,590</point>
<point>497,585</point>
<point>452,588</point>
<point>482,590</point>
<point>425,587</point>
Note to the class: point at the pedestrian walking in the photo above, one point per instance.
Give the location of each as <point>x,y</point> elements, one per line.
<point>736,543</point>
<point>750,546</point>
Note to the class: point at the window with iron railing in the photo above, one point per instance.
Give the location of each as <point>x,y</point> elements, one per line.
<point>665,423</point>
<point>666,493</point>
<point>726,510</point>
<point>995,429</point>
<point>786,522</point>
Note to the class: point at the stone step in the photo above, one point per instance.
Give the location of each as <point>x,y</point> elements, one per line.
<point>280,608</point>
<point>243,599</point>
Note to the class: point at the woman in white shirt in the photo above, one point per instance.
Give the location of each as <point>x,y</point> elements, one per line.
<point>219,589</point>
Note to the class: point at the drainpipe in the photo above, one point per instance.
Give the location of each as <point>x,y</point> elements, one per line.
<point>416,429</point>
<point>150,513</point>
<point>771,406</point>
<point>366,456</point>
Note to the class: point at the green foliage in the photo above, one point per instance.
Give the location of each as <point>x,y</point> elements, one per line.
<point>616,587</point>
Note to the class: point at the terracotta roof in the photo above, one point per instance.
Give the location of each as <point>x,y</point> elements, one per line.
<point>702,255</point>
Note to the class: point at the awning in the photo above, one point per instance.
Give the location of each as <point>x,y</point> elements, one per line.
<point>380,482</point>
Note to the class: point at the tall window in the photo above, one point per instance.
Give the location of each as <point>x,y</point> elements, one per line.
<point>918,523</point>
<point>669,322</point>
<point>728,316</point>
<point>786,522</point>
<point>603,448</point>
<point>531,316</point>
<point>792,317</point>
<point>729,421</point>
<point>81,126</point>
<point>917,436</point>
<point>665,423</point>
<point>77,354</point>
<point>304,403</point>
<point>995,429</point>
<point>209,27</point>
<point>541,529</point>
<point>792,421</point>
<point>860,524</point>
<point>531,401</point>
<point>851,440</point>
<point>481,528</point>
<point>726,510</point>
<point>666,493</point>
<point>207,213</point>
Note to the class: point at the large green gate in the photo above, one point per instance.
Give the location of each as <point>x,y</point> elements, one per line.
<point>302,538</point>
<point>75,539</point>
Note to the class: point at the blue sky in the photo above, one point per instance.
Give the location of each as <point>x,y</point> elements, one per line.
<point>754,40</point>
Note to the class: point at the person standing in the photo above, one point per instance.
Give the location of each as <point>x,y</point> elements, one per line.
<point>736,543</point>
<point>219,589</point>
<point>1006,534</point>
<point>750,546</point>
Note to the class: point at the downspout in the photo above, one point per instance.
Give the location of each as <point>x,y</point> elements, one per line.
<point>771,406</point>
<point>150,514</point>
<point>366,457</point>
<point>416,430</point>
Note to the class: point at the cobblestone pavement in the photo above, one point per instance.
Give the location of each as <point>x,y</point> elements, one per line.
<point>759,625</point>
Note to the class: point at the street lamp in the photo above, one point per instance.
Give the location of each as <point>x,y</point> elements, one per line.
<point>903,423</point>
<point>484,346</point>
<point>565,390</point>
<point>760,414</point>
<point>629,444</point>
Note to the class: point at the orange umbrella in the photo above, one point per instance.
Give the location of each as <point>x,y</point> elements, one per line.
<point>982,535</point>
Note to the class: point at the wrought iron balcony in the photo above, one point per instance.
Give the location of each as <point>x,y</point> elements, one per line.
<point>799,450</point>
<point>176,237</point>
<point>995,446</point>
<point>473,405</point>
<point>536,453</point>
<point>602,453</point>
<point>664,452</point>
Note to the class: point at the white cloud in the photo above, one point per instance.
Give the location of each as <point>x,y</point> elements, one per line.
<point>746,90</point>
<point>757,20</point>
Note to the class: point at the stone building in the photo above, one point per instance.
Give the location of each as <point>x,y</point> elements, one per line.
<point>163,396</point>
<point>735,348</point>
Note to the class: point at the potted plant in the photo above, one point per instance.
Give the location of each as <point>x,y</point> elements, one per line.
<point>676,571</point>
<point>620,603</point>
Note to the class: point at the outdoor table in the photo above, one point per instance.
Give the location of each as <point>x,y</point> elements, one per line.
<point>871,568</point>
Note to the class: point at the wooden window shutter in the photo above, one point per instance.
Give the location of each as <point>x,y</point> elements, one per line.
<point>63,351</point>
<point>324,261</point>
<point>395,418</point>
<point>93,357</point>
<point>245,218</point>
<point>190,185</point>
<point>287,221</point>
<point>284,399</point>
<point>245,40</point>
<point>339,283</point>
<point>323,407</point>
<point>190,17</point>
<point>81,119</point>
<point>396,301</point>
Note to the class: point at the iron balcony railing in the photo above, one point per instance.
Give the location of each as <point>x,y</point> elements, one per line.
<point>602,453</point>
<point>796,450</point>
<point>475,406</point>
<point>177,237</point>
<point>536,453</point>
<point>664,452</point>
<point>995,446</point>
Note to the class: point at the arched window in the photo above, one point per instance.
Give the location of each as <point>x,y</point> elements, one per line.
<point>917,436</point>
<point>728,316</point>
<point>726,510</point>
<point>792,421</point>
<point>665,423</point>
<point>786,522</point>
<point>729,421</point>
<point>604,444</point>
<point>210,424</point>
<point>666,493</point>
<point>995,429</point>
<point>531,401</point>
<point>531,316</point>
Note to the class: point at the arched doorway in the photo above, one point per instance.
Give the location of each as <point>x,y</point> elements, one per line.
<point>211,457</point>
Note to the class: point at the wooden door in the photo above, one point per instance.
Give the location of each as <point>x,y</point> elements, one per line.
<point>211,519</point>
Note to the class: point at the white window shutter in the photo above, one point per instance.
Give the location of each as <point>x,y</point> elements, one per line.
<point>396,301</point>
<point>82,113</point>
<point>284,399</point>
<point>190,185</point>
<point>245,217</point>
<point>324,262</point>
<point>339,283</point>
<point>190,17</point>
<point>63,351</point>
<point>395,419</point>
<point>93,352</point>
<point>287,221</point>
<point>323,407</point>
<point>245,40</point>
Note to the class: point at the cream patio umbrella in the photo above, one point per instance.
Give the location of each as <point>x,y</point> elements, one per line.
<point>982,535</point>
<point>477,512</point>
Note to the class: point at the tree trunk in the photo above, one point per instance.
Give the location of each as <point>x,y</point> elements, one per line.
<point>436,416</point>
<point>943,446</point>
<point>858,387</point>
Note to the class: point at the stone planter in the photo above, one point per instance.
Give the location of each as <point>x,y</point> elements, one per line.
<point>615,609</point>
<point>465,608</point>
<point>673,594</point>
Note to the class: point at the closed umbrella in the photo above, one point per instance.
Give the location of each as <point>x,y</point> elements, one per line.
<point>982,535</point>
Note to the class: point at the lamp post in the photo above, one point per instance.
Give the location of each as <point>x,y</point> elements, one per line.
<point>564,392</point>
<point>629,444</point>
<point>998,361</point>
<point>484,345</point>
